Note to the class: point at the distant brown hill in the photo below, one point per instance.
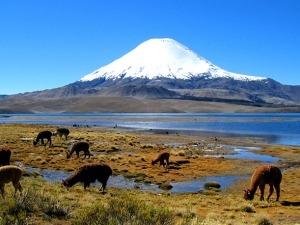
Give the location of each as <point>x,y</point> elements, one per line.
<point>100,104</point>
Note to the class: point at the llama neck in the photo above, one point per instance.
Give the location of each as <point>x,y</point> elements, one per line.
<point>253,188</point>
<point>156,160</point>
<point>71,152</point>
<point>72,180</point>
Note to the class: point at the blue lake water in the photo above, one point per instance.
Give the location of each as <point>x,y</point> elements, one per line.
<point>277,128</point>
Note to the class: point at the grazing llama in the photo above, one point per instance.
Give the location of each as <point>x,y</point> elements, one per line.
<point>43,135</point>
<point>266,174</point>
<point>88,174</point>
<point>5,154</point>
<point>78,147</point>
<point>62,132</point>
<point>161,158</point>
<point>10,173</point>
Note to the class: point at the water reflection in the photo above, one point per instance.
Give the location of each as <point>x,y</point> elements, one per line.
<point>196,185</point>
<point>246,153</point>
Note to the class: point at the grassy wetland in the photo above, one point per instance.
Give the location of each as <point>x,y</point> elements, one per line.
<point>130,154</point>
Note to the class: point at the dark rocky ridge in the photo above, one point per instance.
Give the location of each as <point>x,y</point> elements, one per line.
<point>159,95</point>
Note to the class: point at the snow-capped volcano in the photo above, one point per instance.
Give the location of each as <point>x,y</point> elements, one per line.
<point>162,58</point>
<point>161,75</point>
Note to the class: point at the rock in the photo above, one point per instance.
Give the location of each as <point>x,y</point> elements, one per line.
<point>165,186</point>
<point>211,185</point>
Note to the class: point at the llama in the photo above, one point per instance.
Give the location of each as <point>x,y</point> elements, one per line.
<point>43,135</point>
<point>161,158</point>
<point>10,173</point>
<point>5,154</point>
<point>62,132</point>
<point>80,146</point>
<point>266,174</point>
<point>89,173</point>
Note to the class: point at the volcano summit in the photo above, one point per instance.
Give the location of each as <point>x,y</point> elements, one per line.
<point>166,58</point>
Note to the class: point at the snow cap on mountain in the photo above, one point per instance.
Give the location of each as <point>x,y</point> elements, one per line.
<point>162,58</point>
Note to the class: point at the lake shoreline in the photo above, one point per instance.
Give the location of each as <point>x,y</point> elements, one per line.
<point>273,128</point>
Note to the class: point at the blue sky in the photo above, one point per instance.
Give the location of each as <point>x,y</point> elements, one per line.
<point>46,44</point>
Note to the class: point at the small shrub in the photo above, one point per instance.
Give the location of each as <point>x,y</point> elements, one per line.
<point>15,210</point>
<point>124,210</point>
<point>262,220</point>
<point>19,219</point>
<point>51,206</point>
<point>248,208</point>
<point>25,202</point>
<point>96,214</point>
<point>189,217</point>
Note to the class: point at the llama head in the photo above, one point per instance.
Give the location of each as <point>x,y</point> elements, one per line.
<point>68,155</point>
<point>248,195</point>
<point>65,183</point>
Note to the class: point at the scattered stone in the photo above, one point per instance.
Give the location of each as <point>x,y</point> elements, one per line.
<point>212,185</point>
<point>165,186</point>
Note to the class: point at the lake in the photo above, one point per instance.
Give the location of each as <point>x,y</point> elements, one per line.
<point>275,128</point>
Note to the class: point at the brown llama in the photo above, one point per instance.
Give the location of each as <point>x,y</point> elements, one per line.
<point>10,173</point>
<point>5,154</point>
<point>88,174</point>
<point>266,174</point>
<point>43,135</point>
<point>78,147</point>
<point>62,132</point>
<point>161,158</point>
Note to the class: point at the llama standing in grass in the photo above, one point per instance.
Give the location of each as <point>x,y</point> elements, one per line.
<point>78,147</point>
<point>43,135</point>
<point>161,158</point>
<point>89,173</point>
<point>62,132</point>
<point>5,154</point>
<point>266,174</point>
<point>12,174</point>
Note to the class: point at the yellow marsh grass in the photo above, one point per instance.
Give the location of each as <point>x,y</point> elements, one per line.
<point>135,155</point>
